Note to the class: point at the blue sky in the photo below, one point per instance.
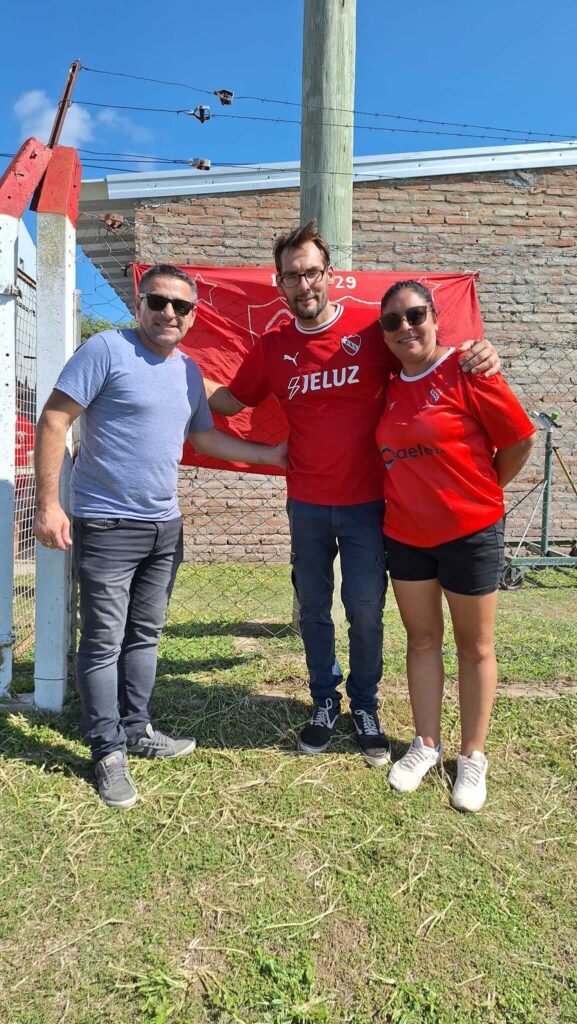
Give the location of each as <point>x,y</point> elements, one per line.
<point>509,65</point>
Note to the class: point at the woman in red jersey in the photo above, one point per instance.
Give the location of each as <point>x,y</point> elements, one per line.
<point>450,442</point>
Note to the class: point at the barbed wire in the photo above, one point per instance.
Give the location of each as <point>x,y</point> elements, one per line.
<point>341,110</point>
<point>317,124</point>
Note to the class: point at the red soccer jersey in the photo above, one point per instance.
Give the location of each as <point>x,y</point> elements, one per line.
<point>24,446</point>
<point>330,382</point>
<point>437,438</point>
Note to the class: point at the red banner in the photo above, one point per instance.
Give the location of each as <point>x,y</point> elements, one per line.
<point>238,304</point>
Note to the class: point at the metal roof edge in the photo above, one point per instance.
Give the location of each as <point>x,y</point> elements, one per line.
<point>260,177</point>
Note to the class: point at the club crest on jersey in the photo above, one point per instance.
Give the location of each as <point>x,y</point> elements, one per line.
<point>434,395</point>
<point>351,343</point>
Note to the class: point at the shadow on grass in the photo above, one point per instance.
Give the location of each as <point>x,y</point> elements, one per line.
<point>35,737</point>
<point>193,629</point>
<point>224,717</point>
<point>221,717</point>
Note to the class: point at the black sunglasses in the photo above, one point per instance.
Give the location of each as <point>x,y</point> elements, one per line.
<point>157,302</point>
<point>414,316</point>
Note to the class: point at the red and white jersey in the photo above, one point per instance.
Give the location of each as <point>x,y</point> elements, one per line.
<point>331,382</point>
<point>437,439</point>
<point>24,446</point>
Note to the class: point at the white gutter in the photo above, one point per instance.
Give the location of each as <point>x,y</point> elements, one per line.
<point>256,178</point>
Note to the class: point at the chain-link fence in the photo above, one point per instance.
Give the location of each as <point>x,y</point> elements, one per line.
<point>24,489</point>
<point>237,547</point>
<point>236,540</point>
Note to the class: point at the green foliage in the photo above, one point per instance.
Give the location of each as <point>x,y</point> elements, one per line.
<point>91,324</point>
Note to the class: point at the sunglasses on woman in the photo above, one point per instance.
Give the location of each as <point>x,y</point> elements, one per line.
<point>157,302</point>
<point>414,316</point>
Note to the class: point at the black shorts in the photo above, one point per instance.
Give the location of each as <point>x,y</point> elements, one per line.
<point>469,565</point>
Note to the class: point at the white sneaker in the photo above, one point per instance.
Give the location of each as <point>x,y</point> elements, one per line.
<point>470,789</point>
<point>407,773</point>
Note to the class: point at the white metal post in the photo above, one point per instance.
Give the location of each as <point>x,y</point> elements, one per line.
<point>56,240</point>
<point>16,187</point>
<point>8,293</point>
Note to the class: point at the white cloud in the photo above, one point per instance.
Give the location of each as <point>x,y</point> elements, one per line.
<point>36,114</point>
<point>132,131</point>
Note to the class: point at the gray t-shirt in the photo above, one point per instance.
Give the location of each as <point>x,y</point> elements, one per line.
<point>139,407</point>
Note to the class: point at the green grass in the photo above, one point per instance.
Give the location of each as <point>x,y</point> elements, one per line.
<point>253,886</point>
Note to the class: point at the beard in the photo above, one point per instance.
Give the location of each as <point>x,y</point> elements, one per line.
<point>307,309</point>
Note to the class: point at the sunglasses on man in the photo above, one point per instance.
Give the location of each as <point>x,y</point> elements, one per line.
<point>414,316</point>
<point>157,302</point>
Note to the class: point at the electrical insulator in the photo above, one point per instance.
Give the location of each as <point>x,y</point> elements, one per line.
<point>225,96</point>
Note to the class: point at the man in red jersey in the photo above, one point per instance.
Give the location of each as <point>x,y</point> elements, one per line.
<point>328,369</point>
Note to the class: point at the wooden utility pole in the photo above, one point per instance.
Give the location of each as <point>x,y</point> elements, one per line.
<point>328,91</point>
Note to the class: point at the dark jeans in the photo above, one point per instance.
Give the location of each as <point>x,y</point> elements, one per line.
<point>126,570</point>
<point>356,532</point>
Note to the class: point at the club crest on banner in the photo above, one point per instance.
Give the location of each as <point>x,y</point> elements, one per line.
<point>351,343</point>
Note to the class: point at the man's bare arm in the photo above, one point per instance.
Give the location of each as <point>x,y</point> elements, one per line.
<point>234,449</point>
<point>220,399</point>
<point>51,525</point>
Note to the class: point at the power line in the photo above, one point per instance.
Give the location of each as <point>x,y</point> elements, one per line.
<point>342,110</point>
<point>282,120</point>
<point>141,78</point>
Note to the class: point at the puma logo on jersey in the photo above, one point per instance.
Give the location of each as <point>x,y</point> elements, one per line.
<point>322,380</point>
<point>291,359</point>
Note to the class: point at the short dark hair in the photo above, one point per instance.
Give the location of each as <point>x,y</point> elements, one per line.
<point>298,237</point>
<point>413,286</point>
<point>167,270</point>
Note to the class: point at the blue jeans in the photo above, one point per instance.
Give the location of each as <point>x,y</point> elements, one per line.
<point>126,570</point>
<point>356,532</point>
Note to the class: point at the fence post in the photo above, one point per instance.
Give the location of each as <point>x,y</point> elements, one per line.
<point>57,209</point>
<point>8,293</point>
<point>16,187</point>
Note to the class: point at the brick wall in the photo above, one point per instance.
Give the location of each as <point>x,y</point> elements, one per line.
<point>518,229</point>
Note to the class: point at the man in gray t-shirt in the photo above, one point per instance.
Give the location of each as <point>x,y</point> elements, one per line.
<point>138,397</point>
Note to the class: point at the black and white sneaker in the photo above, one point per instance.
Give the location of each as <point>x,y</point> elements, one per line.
<point>374,745</point>
<point>317,735</point>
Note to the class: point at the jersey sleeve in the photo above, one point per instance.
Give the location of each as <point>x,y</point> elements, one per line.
<point>86,372</point>
<point>201,418</point>
<point>250,383</point>
<point>497,409</point>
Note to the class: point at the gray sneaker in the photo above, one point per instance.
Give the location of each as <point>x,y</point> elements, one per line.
<point>154,743</point>
<point>115,784</point>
